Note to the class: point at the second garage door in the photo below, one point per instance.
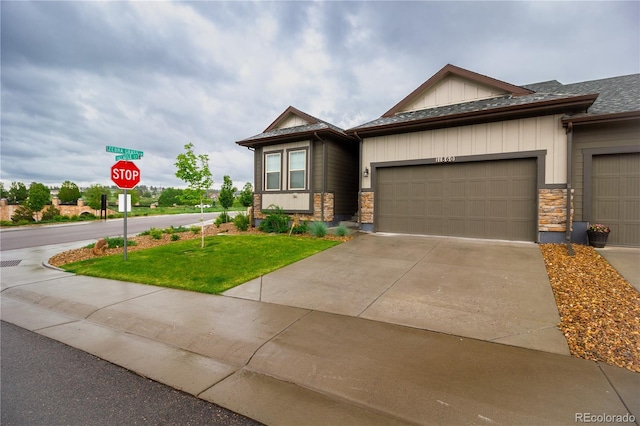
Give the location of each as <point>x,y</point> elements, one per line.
<point>489,199</point>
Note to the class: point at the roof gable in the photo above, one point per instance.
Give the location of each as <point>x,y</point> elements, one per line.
<point>291,117</point>
<point>453,85</point>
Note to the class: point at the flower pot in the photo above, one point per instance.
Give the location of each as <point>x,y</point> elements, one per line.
<point>597,239</point>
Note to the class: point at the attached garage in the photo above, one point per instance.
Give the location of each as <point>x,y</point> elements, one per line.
<point>615,199</point>
<point>488,199</point>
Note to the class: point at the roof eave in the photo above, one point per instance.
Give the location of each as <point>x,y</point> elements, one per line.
<point>293,137</point>
<point>574,104</point>
<point>601,118</point>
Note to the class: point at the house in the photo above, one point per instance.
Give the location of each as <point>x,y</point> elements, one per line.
<point>305,166</point>
<point>471,156</point>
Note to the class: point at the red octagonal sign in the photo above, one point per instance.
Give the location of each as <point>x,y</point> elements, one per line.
<point>125,174</point>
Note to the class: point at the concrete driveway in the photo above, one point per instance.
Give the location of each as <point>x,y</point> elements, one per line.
<point>488,290</point>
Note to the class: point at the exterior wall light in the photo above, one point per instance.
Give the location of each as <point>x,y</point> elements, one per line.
<point>366,172</point>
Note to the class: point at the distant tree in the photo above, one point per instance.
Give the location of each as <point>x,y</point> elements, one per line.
<point>194,170</point>
<point>169,197</point>
<point>93,195</point>
<point>18,193</point>
<point>39,196</point>
<point>69,192</point>
<point>3,192</point>
<point>246,195</point>
<point>226,193</point>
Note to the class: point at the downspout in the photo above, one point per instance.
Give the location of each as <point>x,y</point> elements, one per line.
<point>324,174</point>
<point>359,181</point>
<point>567,231</point>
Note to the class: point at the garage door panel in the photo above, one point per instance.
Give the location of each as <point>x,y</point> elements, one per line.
<point>494,199</point>
<point>616,196</point>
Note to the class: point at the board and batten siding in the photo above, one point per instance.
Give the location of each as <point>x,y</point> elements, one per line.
<point>452,90</point>
<point>526,134</point>
<point>597,136</point>
<point>342,179</point>
<point>292,121</point>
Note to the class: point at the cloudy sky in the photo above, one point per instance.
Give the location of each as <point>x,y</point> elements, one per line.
<point>153,76</point>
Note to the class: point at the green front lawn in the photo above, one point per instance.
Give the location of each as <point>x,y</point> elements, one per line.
<point>225,262</point>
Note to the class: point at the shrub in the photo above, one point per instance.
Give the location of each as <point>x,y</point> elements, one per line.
<point>318,229</point>
<point>241,221</point>
<point>175,237</point>
<point>195,229</point>
<point>115,242</point>
<point>50,213</point>
<point>342,231</point>
<point>301,228</point>
<point>155,233</point>
<point>275,221</point>
<point>23,214</point>
<point>223,218</point>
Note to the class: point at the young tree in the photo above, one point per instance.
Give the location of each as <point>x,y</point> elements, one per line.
<point>194,170</point>
<point>246,195</point>
<point>226,194</point>
<point>69,192</point>
<point>18,193</point>
<point>39,196</point>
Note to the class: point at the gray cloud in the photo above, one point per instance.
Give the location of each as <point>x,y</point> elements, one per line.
<point>153,76</point>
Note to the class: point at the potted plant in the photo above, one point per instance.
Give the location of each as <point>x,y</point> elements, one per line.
<point>598,235</point>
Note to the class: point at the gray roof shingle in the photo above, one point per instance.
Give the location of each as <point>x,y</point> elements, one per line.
<point>615,95</point>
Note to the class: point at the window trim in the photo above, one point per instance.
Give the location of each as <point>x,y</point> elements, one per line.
<point>266,172</point>
<point>305,170</point>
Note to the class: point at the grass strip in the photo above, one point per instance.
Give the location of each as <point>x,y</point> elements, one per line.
<point>225,262</point>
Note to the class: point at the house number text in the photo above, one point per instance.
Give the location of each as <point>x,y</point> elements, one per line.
<point>445,159</point>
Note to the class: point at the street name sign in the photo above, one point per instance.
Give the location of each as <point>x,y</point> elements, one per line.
<point>125,151</point>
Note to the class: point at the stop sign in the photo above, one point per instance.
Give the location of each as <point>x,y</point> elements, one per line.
<point>125,174</point>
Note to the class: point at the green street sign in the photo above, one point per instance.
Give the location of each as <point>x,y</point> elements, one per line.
<point>125,151</point>
<point>128,157</point>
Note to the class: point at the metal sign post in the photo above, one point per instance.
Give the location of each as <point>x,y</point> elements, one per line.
<point>125,224</point>
<point>125,175</point>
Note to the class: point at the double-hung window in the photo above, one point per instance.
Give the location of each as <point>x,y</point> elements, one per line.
<point>272,171</point>
<point>297,169</point>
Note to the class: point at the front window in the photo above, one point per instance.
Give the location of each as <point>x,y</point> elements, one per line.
<point>297,169</point>
<point>272,171</point>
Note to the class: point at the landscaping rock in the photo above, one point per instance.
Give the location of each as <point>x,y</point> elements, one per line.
<point>100,247</point>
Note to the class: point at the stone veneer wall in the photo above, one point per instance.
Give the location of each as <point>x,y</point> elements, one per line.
<point>552,210</point>
<point>329,207</point>
<point>366,207</point>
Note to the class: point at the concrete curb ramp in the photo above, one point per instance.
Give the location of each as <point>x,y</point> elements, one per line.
<point>289,365</point>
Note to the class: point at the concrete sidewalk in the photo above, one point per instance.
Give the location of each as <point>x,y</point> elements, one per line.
<point>294,365</point>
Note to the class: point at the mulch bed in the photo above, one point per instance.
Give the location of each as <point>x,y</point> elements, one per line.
<point>599,309</point>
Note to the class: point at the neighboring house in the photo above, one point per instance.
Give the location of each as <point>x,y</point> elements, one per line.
<point>305,166</point>
<point>471,156</point>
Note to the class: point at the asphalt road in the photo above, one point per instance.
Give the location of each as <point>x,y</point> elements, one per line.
<point>45,382</point>
<point>37,236</point>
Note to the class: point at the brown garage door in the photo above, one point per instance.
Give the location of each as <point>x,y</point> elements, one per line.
<point>489,199</point>
<point>616,196</point>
